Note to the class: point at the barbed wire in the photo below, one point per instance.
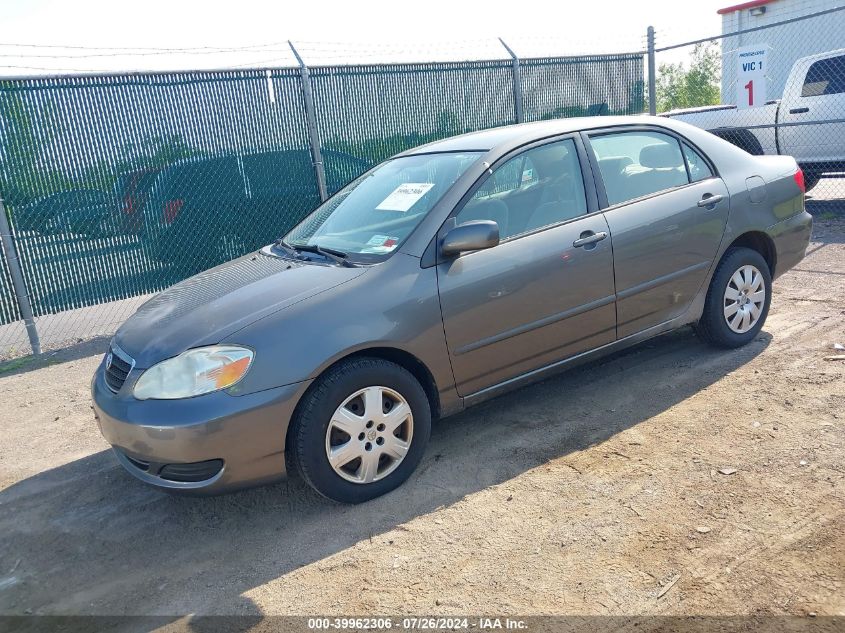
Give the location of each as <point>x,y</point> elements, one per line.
<point>315,53</point>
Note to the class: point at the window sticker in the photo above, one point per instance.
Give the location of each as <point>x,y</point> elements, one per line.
<point>405,196</point>
<point>381,244</point>
<point>377,240</point>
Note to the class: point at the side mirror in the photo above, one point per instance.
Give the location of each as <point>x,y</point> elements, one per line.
<point>475,235</point>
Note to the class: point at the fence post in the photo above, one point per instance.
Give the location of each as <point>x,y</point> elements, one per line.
<point>652,77</point>
<point>18,283</point>
<point>517,84</point>
<point>311,122</point>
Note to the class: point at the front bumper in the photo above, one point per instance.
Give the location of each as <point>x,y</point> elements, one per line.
<point>246,432</point>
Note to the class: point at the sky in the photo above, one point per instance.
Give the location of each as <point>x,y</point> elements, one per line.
<point>71,36</point>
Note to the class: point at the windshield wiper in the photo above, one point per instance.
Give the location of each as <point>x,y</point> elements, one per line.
<point>287,247</point>
<point>339,257</point>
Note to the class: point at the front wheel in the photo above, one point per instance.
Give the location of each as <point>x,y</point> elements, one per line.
<point>738,299</point>
<point>360,431</point>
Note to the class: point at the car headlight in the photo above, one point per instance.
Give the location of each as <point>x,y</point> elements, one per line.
<point>194,372</point>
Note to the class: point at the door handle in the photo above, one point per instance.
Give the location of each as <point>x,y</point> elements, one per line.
<point>588,237</point>
<point>798,110</point>
<point>709,201</point>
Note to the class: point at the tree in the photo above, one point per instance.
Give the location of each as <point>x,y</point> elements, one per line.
<point>24,131</point>
<point>698,85</point>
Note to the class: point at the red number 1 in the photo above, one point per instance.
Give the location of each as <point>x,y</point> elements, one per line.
<point>750,88</point>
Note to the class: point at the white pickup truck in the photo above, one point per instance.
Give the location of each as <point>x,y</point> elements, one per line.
<point>808,123</point>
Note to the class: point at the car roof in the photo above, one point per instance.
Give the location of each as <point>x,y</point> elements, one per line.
<point>509,136</point>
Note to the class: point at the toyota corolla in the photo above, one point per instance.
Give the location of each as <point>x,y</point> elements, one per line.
<point>440,278</point>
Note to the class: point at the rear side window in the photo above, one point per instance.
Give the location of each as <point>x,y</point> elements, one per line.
<point>698,167</point>
<point>825,77</point>
<point>637,164</point>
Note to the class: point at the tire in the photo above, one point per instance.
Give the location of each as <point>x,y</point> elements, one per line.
<point>743,139</point>
<point>730,297</point>
<point>811,180</point>
<point>329,405</point>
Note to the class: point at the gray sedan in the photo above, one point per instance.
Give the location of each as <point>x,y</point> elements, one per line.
<point>445,276</point>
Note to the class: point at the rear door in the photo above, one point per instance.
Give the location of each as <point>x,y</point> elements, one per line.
<point>654,190</point>
<point>546,291</point>
<point>815,94</point>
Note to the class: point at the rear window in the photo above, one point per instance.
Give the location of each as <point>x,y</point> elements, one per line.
<point>825,77</point>
<point>202,177</point>
<point>275,172</point>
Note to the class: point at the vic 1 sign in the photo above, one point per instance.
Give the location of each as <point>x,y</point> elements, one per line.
<point>751,76</point>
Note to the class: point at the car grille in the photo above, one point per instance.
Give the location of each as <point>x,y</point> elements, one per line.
<point>118,366</point>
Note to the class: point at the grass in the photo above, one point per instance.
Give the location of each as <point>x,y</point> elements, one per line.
<point>15,364</point>
<point>26,363</point>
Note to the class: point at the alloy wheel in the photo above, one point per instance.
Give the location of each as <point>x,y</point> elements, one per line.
<point>744,298</point>
<point>369,434</point>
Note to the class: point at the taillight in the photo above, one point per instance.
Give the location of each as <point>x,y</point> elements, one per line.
<point>172,209</point>
<point>799,180</point>
<point>128,205</point>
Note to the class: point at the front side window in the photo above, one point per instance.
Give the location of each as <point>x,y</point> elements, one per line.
<point>370,217</point>
<point>825,77</point>
<point>637,164</point>
<point>537,188</point>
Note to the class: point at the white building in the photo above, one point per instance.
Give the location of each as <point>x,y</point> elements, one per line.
<point>785,43</point>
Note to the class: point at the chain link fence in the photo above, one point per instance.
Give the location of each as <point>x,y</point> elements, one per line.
<point>118,186</point>
<point>772,83</point>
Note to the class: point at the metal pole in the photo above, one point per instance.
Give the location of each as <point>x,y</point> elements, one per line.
<point>517,84</point>
<point>311,122</point>
<point>21,293</point>
<point>652,77</point>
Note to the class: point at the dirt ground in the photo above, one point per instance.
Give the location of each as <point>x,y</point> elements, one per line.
<point>597,492</point>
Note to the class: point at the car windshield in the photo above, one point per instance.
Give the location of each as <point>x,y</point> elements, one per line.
<point>371,217</point>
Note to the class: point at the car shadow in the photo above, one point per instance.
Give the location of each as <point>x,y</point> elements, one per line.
<point>86,537</point>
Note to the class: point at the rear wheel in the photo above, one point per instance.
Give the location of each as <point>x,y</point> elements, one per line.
<point>360,431</point>
<point>738,299</point>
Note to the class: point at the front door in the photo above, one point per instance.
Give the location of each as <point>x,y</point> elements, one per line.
<point>546,291</point>
<point>665,232</point>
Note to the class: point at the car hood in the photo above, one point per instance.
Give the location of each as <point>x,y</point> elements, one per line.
<point>208,308</point>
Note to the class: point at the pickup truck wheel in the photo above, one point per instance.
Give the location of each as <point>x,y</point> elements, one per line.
<point>360,431</point>
<point>811,180</point>
<point>743,139</point>
<point>738,299</point>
